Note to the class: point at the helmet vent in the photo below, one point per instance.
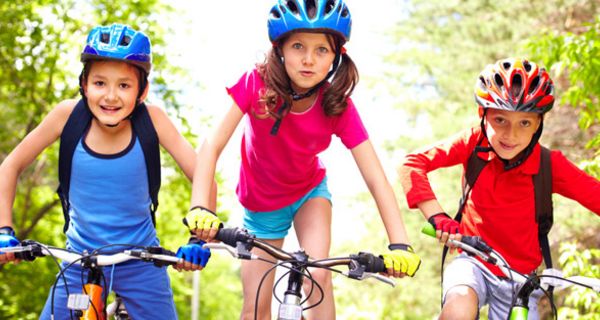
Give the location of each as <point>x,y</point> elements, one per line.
<point>125,41</point>
<point>535,82</point>
<point>527,66</point>
<point>329,6</point>
<point>506,65</point>
<point>292,7</point>
<point>498,80</point>
<point>276,14</point>
<point>104,38</point>
<point>516,85</point>
<point>482,82</point>
<point>345,12</point>
<point>311,8</point>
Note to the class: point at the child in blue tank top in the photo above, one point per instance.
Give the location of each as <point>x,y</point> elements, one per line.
<point>108,200</point>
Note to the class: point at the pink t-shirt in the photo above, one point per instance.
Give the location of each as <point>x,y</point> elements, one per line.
<point>277,170</point>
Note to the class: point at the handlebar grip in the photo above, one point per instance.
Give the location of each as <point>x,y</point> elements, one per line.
<point>231,236</point>
<point>371,262</point>
<point>429,230</point>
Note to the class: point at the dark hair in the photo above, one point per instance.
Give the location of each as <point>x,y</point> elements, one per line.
<point>277,81</point>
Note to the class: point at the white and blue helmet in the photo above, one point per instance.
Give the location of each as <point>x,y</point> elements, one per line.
<point>329,16</point>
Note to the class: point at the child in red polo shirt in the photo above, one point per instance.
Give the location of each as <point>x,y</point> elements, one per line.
<point>512,95</point>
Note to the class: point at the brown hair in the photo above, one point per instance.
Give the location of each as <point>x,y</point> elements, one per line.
<point>277,82</point>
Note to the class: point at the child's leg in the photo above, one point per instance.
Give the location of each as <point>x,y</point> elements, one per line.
<point>252,273</point>
<point>313,228</point>
<point>464,289</point>
<point>460,303</point>
<point>145,290</point>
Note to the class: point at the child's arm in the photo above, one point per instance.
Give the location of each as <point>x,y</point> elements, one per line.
<point>401,260</point>
<point>374,176</point>
<point>26,151</point>
<point>171,139</point>
<point>203,220</point>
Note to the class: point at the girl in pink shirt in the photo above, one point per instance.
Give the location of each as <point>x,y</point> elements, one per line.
<point>291,105</point>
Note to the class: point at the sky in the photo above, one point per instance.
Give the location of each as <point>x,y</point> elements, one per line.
<point>219,40</point>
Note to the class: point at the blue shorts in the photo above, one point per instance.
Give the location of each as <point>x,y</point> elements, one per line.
<point>275,224</point>
<point>144,288</point>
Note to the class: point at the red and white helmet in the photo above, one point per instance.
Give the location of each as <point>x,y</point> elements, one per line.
<point>515,85</point>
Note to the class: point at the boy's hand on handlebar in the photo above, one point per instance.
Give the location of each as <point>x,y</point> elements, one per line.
<point>8,239</point>
<point>202,222</point>
<point>445,227</point>
<point>401,260</point>
<point>194,255</point>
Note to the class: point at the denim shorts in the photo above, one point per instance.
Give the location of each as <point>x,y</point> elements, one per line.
<point>491,290</point>
<point>275,224</point>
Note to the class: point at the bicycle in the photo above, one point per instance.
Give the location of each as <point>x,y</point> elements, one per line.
<point>519,310</point>
<point>90,304</point>
<point>238,242</point>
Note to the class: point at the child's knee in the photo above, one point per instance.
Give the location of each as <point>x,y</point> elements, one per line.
<point>460,302</point>
<point>322,277</point>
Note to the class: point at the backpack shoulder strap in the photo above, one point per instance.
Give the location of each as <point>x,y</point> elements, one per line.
<point>73,130</point>
<point>542,183</point>
<point>144,129</point>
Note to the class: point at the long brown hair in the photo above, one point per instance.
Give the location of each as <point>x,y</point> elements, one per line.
<point>277,81</point>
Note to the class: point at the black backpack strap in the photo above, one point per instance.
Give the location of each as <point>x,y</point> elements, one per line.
<point>542,183</point>
<point>144,129</point>
<point>78,122</point>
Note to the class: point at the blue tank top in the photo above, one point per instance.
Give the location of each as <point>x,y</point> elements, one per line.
<point>109,199</point>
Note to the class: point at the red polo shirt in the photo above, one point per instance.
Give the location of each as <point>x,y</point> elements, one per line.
<point>501,206</point>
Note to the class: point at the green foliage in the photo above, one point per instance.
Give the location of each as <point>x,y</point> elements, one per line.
<point>578,55</point>
<point>580,303</point>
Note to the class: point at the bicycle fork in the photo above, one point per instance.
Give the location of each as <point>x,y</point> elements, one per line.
<point>291,309</point>
<point>89,305</point>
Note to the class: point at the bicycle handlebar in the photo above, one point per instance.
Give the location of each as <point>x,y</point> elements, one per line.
<point>549,277</point>
<point>238,242</point>
<point>29,250</point>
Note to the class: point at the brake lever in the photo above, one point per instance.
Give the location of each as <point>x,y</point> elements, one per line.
<point>365,275</point>
<point>240,251</point>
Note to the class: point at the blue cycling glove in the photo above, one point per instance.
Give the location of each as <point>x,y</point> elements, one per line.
<point>7,239</point>
<point>194,253</point>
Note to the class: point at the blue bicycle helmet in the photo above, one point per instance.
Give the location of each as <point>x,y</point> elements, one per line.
<point>331,16</point>
<point>118,42</point>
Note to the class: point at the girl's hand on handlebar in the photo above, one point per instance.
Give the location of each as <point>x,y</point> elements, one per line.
<point>202,222</point>
<point>401,260</point>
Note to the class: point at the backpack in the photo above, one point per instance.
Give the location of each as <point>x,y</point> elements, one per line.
<point>78,122</point>
<point>542,185</point>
